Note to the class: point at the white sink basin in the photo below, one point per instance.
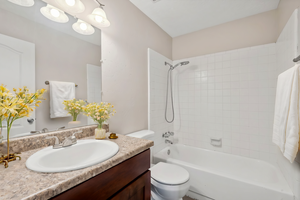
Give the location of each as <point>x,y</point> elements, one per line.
<point>83,154</point>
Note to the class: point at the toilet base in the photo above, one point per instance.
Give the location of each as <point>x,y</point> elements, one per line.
<point>161,191</point>
<point>152,198</point>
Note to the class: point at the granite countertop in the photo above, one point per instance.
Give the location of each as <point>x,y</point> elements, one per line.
<point>18,182</point>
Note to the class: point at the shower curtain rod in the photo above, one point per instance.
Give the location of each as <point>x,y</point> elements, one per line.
<point>297,59</point>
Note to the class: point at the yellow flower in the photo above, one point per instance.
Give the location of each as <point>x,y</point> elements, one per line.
<point>2,88</point>
<point>10,107</point>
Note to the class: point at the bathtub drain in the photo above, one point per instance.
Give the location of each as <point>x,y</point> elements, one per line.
<point>168,152</point>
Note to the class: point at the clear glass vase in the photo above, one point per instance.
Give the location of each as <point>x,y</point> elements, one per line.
<point>100,134</point>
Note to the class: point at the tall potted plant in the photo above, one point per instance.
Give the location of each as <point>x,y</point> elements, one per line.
<point>16,106</point>
<point>100,112</point>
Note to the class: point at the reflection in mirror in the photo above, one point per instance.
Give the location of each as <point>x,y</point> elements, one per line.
<point>34,49</point>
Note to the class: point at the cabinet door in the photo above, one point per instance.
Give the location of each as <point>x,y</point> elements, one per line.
<point>139,189</point>
<point>17,66</point>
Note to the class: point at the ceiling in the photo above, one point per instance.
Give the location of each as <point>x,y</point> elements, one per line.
<point>33,13</point>
<point>179,17</point>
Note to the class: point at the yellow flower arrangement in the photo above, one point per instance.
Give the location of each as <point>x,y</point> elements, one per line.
<point>99,112</point>
<point>74,107</point>
<point>17,105</point>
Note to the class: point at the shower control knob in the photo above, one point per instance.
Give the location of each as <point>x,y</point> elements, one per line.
<point>167,134</point>
<point>171,133</point>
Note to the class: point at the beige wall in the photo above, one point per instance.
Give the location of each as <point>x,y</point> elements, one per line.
<point>59,57</point>
<point>125,73</point>
<point>285,10</point>
<point>250,31</point>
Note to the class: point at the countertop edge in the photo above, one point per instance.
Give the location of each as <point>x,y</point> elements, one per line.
<point>94,171</point>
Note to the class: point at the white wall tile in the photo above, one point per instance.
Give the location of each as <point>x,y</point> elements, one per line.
<point>157,95</point>
<point>235,94</point>
<point>286,51</point>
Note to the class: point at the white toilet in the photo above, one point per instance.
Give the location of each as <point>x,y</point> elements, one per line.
<point>168,181</point>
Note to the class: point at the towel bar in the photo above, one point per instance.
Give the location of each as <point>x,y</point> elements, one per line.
<point>297,59</point>
<point>47,83</point>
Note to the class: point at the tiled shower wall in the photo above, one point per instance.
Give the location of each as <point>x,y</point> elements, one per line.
<point>228,95</point>
<point>157,97</point>
<point>286,51</point>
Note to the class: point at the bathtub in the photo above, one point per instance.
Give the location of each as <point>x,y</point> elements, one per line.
<point>220,176</point>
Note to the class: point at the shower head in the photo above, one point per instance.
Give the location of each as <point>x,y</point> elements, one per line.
<point>180,64</point>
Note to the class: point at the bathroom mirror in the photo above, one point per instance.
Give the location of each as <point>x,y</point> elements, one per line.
<point>56,53</point>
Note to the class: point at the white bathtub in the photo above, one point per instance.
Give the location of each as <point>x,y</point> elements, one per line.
<point>221,176</point>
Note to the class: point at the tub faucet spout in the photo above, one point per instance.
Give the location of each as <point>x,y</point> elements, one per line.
<point>168,142</point>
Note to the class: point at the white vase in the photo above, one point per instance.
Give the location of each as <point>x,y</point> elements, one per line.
<point>73,124</point>
<point>100,134</point>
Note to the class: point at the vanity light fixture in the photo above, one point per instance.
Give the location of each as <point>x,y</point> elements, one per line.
<point>25,3</point>
<point>83,28</point>
<point>99,17</point>
<point>71,6</point>
<point>54,14</point>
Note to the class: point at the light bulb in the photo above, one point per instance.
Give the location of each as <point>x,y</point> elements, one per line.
<point>54,12</point>
<point>70,2</point>
<point>98,18</point>
<point>83,26</point>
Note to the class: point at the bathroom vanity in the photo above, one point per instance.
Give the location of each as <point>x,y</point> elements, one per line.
<point>128,180</point>
<point>124,176</point>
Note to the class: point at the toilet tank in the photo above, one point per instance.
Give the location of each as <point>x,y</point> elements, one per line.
<point>144,134</point>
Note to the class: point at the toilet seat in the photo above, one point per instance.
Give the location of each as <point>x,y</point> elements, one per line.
<point>169,174</point>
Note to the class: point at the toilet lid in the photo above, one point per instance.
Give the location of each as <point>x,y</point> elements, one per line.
<point>169,174</point>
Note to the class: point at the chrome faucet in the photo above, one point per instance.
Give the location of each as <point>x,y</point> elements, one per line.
<point>168,141</point>
<point>60,128</point>
<point>68,141</point>
<point>167,134</point>
<point>35,132</point>
<point>44,130</point>
<point>56,144</point>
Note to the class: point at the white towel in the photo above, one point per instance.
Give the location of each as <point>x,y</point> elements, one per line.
<point>60,91</point>
<point>292,128</point>
<point>286,119</point>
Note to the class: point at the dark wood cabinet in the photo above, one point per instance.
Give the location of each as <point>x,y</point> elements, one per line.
<point>130,180</point>
<point>137,190</point>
